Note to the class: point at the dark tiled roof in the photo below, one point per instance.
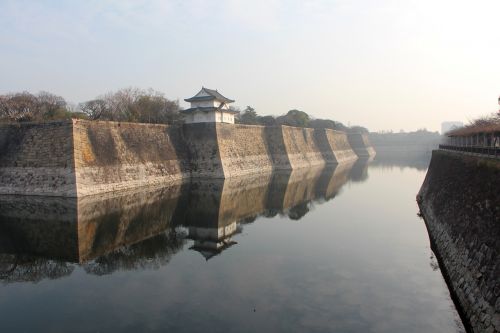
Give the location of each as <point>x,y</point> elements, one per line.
<point>210,253</point>
<point>207,109</point>
<point>200,99</point>
<point>213,94</point>
<point>201,109</point>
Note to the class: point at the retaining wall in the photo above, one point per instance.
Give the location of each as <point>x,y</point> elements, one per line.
<point>227,150</point>
<point>302,147</point>
<point>111,156</point>
<point>79,157</point>
<point>334,146</point>
<point>203,150</point>
<point>243,149</point>
<point>37,159</point>
<point>361,145</point>
<point>460,203</point>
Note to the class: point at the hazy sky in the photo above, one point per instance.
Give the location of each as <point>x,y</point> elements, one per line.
<point>384,64</point>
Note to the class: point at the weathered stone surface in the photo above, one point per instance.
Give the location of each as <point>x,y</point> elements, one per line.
<point>460,203</point>
<point>79,158</point>
<point>243,149</point>
<point>339,145</point>
<point>301,147</point>
<point>111,156</point>
<point>361,145</point>
<point>37,159</point>
<point>226,150</point>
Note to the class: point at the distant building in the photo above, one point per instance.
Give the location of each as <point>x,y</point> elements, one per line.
<point>450,125</point>
<point>209,106</point>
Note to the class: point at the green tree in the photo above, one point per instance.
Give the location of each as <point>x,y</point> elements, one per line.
<point>358,129</point>
<point>294,118</point>
<point>267,121</point>
<point>249,116</point>
<point>323,123</point>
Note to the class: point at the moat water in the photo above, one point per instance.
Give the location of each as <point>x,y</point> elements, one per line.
<point>318,250</point>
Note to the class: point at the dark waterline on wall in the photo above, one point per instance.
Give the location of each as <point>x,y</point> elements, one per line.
<point>317,250</point>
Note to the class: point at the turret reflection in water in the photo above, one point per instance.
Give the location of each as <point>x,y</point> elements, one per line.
<point>45,238</point>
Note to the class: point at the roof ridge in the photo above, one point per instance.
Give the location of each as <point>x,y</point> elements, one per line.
<point>214,93</point>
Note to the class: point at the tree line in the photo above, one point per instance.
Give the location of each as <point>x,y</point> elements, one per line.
<point>294,118</point>
<point>137,105</point>
<point>130,105</point>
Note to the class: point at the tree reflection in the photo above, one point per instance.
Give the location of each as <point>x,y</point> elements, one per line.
<point>149,254</point>
<point>23,268</point>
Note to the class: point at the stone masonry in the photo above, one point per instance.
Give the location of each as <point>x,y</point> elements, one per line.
<point>460,203</point>
<point>77,158</point>
<point>361,145</point>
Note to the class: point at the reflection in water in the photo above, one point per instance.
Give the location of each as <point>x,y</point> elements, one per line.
<point>148,254</point>
<point>359,171</point>
<point>42,236</point>
<point>355,265</point>
<point>22,268</point>
<point>403,159</point>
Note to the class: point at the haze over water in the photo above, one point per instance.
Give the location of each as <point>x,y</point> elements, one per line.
<point>321,250</point>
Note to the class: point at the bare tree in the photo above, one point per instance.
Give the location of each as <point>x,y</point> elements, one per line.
<point>95,109</point>
<point>19,107</point>
<point>133,105</point>
<point>28,107</point>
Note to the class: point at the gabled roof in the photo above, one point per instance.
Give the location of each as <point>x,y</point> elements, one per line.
<point>208,95</point>
<point>207,109</point>
<point>209,253</point>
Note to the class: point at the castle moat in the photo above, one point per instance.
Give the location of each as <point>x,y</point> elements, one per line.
<point>320,249</point>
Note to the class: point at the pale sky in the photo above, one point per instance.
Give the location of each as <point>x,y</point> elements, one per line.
<point>383,64</point>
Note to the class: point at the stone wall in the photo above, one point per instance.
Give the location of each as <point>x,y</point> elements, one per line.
<point>79,157</point>
<point>243,149</point>
<point>460,203</point>
<point>277,148</point>
<point>111,156</point>
<point>361,145</point>
<point>334,146</point>
<point>302,148</point>
<point>203,150</point>
<point>37,159</point>
<point>226,150</point>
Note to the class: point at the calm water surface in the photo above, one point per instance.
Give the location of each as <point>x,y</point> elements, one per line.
<point>321,250</point>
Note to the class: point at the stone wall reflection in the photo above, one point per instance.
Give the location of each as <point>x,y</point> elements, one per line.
<point>144,229</point>
<point>418,160</point>
<point>359,171</point>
